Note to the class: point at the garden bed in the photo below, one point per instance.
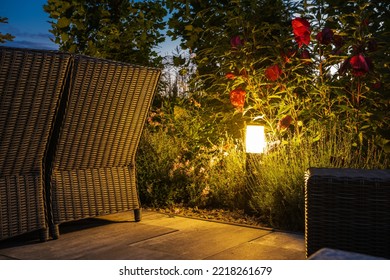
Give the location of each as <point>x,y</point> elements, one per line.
<point>236,217</point>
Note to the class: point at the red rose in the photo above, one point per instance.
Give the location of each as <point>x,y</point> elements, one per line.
<point>230,76</point>
<point>301,29</point>
<point>237,97</point>
<point>273,72</point>
<point>325,37</point>
<point>236,42</point>
<point>360,65</point>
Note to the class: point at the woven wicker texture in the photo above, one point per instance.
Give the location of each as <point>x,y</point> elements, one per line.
<point>31,83</point>
<point>94,163</point>
<point>348,209</point>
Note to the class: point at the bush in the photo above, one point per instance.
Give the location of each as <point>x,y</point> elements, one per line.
<point>157,172</point>
<point>167,174</point>
<point>226,176</point>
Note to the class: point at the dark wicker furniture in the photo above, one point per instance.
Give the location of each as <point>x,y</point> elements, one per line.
<point>348,209</point>
<point>69,131</point>
<point>93,166</point>
<point>31,84</point>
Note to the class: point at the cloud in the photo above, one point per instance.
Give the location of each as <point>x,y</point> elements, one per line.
<point>33,35</point>
<point>42,45</point>
<point>30,40</point>
<point>15,31</point>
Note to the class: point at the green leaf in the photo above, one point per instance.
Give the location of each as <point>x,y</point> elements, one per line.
<point>198,30</point>
<point>361,137</point>
<point>63,22</point>
<point>189,27</point>
<point>317,138</point>
<point>143,36</point>
<point>64,37</point>
<point>386,147</point>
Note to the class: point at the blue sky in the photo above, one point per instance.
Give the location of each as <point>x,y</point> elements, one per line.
<point>28,22</point>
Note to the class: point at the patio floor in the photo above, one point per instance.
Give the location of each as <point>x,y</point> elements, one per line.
<point>157,237</point>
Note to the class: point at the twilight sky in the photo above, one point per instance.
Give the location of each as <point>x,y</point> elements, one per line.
<point>28,22</point>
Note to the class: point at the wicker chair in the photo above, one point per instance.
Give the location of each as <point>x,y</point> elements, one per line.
<point>93,161</point>
<point>348,209</point>
<point>31,84</point>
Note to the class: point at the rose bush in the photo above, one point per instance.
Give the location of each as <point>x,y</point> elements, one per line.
<point>305,81</point>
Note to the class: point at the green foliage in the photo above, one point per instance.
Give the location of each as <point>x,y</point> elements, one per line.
<point>206,27</point>
<point>179,164</point>
<point>7,36</point>
<point>167,153</point>
<point>317,82</point>
<point>159,183</point>
<point>324,98</point>
<point>360,102</point>
<point>115,29</point>
<point>276,180</point>
<point>226,176</point>
<point>212,178</point>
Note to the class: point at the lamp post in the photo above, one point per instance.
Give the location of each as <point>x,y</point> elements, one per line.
<point>255,146</point>
<point>255,142</point>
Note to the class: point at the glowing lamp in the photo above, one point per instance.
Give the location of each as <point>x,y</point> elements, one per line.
<point>255,139</point>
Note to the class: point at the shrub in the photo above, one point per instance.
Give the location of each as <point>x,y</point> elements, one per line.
<point>157,177</point>
<point>167,174</point>
<point>226,176</point>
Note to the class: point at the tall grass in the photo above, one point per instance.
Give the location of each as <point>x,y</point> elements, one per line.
<point>226,178</point>
<point>276,181</point>
<point>174,169</point>
<point>168,174</point>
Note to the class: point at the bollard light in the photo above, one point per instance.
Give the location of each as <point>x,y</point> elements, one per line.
<point>255,139</point>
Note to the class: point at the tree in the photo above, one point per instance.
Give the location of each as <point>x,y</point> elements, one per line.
<point>7,36</point>
<point>121,30</point>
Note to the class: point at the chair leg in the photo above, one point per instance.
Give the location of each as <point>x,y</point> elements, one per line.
<point>44,234</point>
<point>137,215</point>
<point>55,231</point>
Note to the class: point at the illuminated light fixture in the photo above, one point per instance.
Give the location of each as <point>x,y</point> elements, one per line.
<point>255,139</point>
